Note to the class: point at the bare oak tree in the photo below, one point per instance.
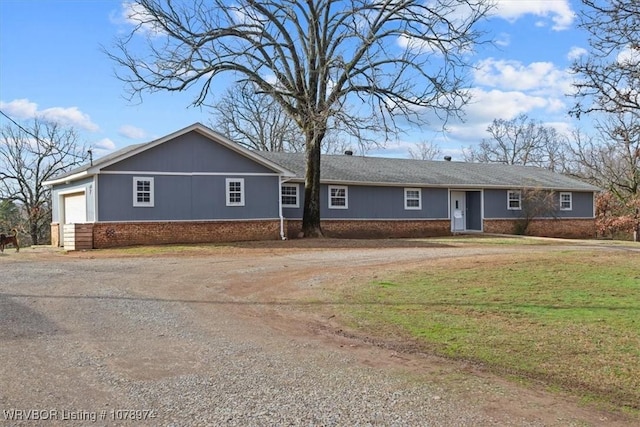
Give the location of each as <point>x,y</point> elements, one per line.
<point>425,150</point>
<point>519,141</point>
<point>357,64</point>
<point>29,155</point>
<point>608,83</point>
<point>255,121</point>
<point>608,79</point>
<point>612,162</point>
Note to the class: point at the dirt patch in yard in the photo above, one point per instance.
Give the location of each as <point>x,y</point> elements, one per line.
<point>127,322</point>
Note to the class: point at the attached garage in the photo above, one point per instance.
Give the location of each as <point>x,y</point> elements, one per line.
<point>75,233</point>
<point>75,208</point>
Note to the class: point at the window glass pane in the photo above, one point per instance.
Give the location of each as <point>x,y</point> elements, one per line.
<point>290,195</point>
<point>514,200</point>
<point>338,197</point>
<point>143,191</point>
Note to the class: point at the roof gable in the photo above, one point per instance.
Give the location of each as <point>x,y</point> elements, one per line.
<point>125,155</point>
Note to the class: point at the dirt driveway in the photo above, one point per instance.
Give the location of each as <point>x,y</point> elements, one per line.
<point>216,336</point>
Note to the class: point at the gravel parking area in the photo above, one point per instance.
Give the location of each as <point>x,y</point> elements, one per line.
<point>215,338</point>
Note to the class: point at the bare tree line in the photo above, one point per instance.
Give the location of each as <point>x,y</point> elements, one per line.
<point>607,91</point>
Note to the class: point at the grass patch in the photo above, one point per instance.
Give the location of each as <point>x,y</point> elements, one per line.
<point>569,318</point>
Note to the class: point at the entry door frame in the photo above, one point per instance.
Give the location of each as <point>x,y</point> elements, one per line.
<point>459,213</point>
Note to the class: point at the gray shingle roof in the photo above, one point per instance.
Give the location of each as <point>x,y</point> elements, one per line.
<point>379,170</point>
<point>388,171</point>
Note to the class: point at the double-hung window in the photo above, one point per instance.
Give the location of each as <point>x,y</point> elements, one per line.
<point>566,202</point>
<point>338,197</point>
<point>143,192</point>
<point>235,191</point>
<point>514,200</point>
<point>290,196</point>
<point>412,198</point>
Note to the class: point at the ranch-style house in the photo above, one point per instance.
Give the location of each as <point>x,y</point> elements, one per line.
<point>196,186</point>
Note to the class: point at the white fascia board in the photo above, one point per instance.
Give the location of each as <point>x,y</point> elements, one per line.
<point>69,178</point>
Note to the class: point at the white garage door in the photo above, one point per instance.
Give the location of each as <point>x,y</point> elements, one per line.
<point>75,208</point>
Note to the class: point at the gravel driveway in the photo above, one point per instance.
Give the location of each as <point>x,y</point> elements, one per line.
<point>214,338</point>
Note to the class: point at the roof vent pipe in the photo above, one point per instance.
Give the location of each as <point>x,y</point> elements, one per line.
<point>447,158</point>
<point>348,153</point>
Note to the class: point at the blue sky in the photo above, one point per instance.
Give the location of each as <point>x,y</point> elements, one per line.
<point>52,66</point>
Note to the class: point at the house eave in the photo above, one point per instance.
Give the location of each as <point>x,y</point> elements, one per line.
<point>70,178</point>
<point>445,185</point>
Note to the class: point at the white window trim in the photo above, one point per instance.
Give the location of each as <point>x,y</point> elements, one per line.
<point>406,199</point>
<point>227,192</point>
<point>509,192</point>
<point>297,187</point>
<point>565,193</point>
<point>346,196</point>
<point>151,201</point>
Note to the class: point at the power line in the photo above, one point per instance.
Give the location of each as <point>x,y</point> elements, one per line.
<point>22,128</point>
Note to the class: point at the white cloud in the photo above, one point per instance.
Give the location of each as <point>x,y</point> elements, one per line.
<point>71,116</point>
<point>132,132</point>
<point>20,108</point>
<point>576,52</point>
<point>559,11</point>
<point>537,77</point>
<point>485,106</point>
<point>629,56</point>
<point>105,144</point>
<point>489,105</point>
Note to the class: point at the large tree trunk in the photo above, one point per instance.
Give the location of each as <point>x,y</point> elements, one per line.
<point>311,214</point>
<point>33,231</point>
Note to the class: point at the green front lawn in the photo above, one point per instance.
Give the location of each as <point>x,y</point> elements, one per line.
<point>570,318</point>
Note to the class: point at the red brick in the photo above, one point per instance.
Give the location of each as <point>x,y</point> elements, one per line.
<point>114,234</point>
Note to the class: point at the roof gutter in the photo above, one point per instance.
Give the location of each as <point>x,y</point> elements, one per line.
<point>68,179</point>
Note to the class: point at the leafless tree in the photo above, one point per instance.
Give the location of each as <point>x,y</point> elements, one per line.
<point>612,162</point>
<point>536,203</point>
<point>29,155</point>
<point>608,78</point>
<point>608,84</point>
<point>357,64</point>
<point>255,120</point>
<point>425,150</point>
<point>519,141</point>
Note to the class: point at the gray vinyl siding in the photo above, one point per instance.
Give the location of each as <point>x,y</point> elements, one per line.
<point>187,198</point>
<point>369,202</point>
<point>495,206</point>
<point>84,185</point>
<point>582,205</point>
<point>191,152</point>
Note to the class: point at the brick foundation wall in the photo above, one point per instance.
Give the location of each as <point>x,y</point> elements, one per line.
<point>55,234</point>
<point>563,228</point>
<point>376,229</point>
<point>114,234</point>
